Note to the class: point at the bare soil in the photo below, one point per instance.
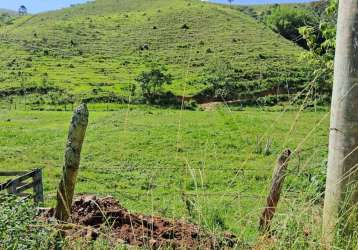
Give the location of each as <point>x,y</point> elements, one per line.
<point>92,216</point>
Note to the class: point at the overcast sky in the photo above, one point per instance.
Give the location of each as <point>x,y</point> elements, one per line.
<point>35,6</point>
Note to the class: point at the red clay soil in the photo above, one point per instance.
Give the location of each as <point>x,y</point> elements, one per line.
<point>93,216</point>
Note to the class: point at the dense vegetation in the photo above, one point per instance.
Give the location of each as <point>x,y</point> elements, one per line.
<point>322,43</point>
<point>97,50</point>
<point>287,19</point>
<point>19,228</point>
<point>312,26</point>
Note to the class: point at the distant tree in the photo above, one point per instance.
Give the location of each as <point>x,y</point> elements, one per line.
<point>22,10</point>
<point>230,1</point>
<point>287,21</point>
<point>152,81</point>
<point>276,5</point>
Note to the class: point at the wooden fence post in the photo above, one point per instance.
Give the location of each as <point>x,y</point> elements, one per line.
<point>73,149</point>
<point>275,192</point>
<point>18,185</point>
<point>38,186</point>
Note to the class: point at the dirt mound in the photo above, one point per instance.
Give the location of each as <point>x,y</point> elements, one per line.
<point>93,216</point>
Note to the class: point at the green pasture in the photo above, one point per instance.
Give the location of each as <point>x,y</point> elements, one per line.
<point>207,167</point>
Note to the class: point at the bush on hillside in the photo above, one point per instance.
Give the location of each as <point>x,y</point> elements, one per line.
<point>105,97</point>
<point>223,82</point>
<point>185,26</point>
<point>151,82</point>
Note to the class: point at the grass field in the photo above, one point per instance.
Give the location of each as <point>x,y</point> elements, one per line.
<point>211,167</point>
<point>158,161</point>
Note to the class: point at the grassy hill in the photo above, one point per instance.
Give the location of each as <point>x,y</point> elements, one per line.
<point>93,49</point>
<point>6,11</point>
<point>264,7</point>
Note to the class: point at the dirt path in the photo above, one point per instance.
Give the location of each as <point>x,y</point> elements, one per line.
<point>210,106</point>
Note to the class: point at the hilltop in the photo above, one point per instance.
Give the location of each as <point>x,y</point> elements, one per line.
<point>6,11</point>
<point>97,49</point>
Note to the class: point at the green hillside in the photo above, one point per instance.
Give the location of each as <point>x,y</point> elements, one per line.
<point>6,11</point>
<point>93,49</point>
<point>259,8</point>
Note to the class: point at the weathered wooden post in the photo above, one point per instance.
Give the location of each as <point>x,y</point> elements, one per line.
<point>275,191</point>
<point>75,139</point>
<point>343,139</point>
<point>38,186</point>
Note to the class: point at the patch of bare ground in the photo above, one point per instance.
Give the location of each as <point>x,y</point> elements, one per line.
<point>92,216</point>
<point>210,106</point>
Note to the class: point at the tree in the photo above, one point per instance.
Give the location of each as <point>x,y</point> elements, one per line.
<point>22,10</point>
<point>341,197</point>
<point>287,20</point>
<point>152,81</point>
<point>321,43</point>
<point>230,1</point>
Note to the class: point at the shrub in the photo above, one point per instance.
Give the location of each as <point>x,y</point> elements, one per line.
<point>152,81</point>
<point>185,26</point>
<point>223,83</point>
<point>190,105</point>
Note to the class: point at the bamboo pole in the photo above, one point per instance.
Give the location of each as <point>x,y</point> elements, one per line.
<point>343,139</point>
<point>275,191</point>
<point>75,139</point>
